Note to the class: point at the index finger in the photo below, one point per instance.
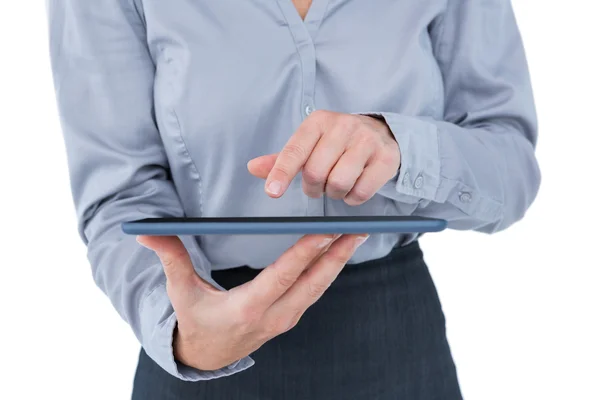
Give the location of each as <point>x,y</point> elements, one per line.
<point>292,158</point>
<point>273,281</point>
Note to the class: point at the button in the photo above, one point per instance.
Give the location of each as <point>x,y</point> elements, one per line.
<point>308,110</point>
<point>465,197</point>
<point>406,179</point>
<point>418,182</point>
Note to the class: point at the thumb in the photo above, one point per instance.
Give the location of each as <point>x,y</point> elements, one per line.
<point>175,260</point>
<point>261,166</point>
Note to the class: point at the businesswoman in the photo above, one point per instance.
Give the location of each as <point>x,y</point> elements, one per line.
<point>289,108</point>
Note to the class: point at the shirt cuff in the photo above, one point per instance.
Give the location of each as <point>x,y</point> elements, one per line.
<point>158,322</point>
<point>419,176</point>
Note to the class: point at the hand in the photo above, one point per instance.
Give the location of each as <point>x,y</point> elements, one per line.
<point>216,328</point>
<point>348,157</point>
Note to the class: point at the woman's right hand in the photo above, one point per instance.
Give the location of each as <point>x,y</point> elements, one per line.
<point>216,328</point>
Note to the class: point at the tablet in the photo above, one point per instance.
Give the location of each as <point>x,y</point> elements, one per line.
<point>282,225</point>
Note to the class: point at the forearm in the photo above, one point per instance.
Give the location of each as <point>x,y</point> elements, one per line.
<point>118,168</point>
<point>133,278</point>
<point>475,165</point>
<point>480,178</point>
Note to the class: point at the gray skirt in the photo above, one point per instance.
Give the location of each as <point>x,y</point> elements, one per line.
<point>377,333</point>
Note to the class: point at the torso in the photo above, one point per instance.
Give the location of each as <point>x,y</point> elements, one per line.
<point>235,79</point>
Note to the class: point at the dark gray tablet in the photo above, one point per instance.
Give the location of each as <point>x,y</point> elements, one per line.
<point>282,225</point>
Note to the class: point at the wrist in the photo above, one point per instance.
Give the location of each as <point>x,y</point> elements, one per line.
<point>180,346</point>
<point>184,350</point>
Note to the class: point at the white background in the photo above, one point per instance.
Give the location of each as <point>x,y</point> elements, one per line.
<point>523,306</point>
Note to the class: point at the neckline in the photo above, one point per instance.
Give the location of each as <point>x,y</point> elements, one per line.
<point>312,19</point>
<point>307,10</point>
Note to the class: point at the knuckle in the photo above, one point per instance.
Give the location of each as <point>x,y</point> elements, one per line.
<point>366,138</point>
<point>319,114</point>
<point>349,123</point>
<point>361,195</point>
<point>302,254</point>
<point>281,170</point>
<point>167,262</point>
<point>181,256</point>
<point>316,289</point>
<point>338,184</point>
<point>172,259</point>
<point>313,175</point>
<point>390,156</point>
<point>295,320</point>
<point>294,151</point>
<point>285,279</point>
<point>292,322</point>
<point>276,327</point>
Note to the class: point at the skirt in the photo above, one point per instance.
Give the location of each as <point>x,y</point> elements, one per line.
<point>378,332</point>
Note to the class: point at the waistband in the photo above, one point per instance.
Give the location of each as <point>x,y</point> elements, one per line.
<point>399,254</point>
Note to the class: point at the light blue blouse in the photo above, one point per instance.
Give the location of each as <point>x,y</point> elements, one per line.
<point>163,103</point>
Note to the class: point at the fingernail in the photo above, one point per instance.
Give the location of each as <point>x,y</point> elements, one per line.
<point>274,187</point>
<point>324,242</point>
<point>360,240</point>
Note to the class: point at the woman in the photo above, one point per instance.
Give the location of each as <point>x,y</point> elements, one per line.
<point>194,107</point>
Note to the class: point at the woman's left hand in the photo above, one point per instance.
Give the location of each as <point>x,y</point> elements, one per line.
<point>346,156</point>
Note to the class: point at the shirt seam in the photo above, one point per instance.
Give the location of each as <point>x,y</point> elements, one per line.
<point>442,32</point>
<point>456,183</point>
<point>147,296</point>
<point>438,156</point>
<point>187,154</point>
<point>138,8</point>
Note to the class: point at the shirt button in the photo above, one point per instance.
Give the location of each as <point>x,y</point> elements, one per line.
<point>406,179</point>
<point>465,197</point>
<point>308,110</point>
<point>418,182</point>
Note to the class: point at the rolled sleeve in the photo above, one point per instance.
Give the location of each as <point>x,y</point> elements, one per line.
<point>104,77</point>
<point>157,323</point>
<point>476,167</point>
<point>419,175</point>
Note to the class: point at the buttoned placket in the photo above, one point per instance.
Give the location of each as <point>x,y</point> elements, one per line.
<point>303,33</point>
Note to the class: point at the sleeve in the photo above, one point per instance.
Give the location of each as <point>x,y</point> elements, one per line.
<point>476,168</point>
<point>103,77</point>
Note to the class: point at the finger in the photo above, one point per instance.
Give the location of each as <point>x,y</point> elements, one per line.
<point>274,280</point>
<point>261,166</point>
<point>373,177</point>
<point>317,168</point>
<point>292,158</point>
<point>347,170</point>
<point>311,285</point>
<point>175,260</point>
